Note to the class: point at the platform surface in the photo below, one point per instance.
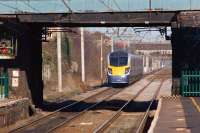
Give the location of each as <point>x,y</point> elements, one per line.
<point>178,115</point>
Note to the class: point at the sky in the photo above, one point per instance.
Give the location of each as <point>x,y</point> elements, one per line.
<point>133,34</point>
<point>46,6</point>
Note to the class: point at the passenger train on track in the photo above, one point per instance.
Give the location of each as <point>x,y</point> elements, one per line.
<point>124,68</point>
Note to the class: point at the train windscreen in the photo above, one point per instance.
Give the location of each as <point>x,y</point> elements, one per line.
<point>118,58</point>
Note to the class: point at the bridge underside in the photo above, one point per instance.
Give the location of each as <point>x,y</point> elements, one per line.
<point>101,19</point>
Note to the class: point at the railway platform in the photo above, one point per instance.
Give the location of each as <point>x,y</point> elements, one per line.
<point>12,110</point>
<point>177,115</point>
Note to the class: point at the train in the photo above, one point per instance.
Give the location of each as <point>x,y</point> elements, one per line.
<point>124,68</point>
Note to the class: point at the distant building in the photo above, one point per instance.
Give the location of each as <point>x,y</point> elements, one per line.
<point>155,56</point>
<point>154,49</point>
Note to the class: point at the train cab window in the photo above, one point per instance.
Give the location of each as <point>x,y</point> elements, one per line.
<point>118,61</point>
<point>118,58</point>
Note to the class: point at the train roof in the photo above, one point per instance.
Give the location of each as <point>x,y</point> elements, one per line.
<point>122,54</point>
<point>119,53</point>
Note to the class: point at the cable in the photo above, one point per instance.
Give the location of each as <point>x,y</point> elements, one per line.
<point>27,4</point>
<point>109,8</point>
<point>67,6</point>
<point>5,5</point>
<point>117,5</point>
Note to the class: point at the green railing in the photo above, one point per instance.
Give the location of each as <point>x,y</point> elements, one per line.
<point>4,86</point>
<point>190,83</point>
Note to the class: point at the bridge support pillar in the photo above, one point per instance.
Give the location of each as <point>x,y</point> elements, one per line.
<point>31,50</point>
<point>28,63</point>
<point>185,46</point>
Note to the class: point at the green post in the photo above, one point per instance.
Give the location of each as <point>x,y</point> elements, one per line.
<point>183,86</point>
<point>193,85</point>
<point>198,89</point>
<point>1,88</point>
<point>182,83</point>
<point>6,85</point>
<point>190,83</point>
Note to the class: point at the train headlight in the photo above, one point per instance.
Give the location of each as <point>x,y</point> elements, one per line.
<point>109,70</point>
<point>127,70</point>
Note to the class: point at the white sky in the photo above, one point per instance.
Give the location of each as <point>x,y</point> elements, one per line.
<point>135,34</point>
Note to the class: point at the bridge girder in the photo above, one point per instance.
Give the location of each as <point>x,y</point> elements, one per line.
<point>96,19</point>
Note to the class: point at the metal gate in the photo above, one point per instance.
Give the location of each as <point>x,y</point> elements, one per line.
<point>4,85</point>
<point>190,83</point>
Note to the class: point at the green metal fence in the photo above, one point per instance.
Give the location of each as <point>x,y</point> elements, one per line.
<point>4,85</point>
<point>190,83</point>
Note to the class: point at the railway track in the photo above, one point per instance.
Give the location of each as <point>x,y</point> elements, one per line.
<point>143,122</point>
<point>116,115</point>
<point>101,114</point>
<point>75,110</point>
<point>111,118</point>
<point>59,117</point>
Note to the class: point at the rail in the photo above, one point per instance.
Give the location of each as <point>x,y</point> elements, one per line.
<point>27,125</point>
<point>106,124</point>
<point>143,122</point>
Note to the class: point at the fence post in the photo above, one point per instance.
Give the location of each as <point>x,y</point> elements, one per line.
<point>6,85</point>
<point>1,88</point>
<point>182,83</point>
<point>198,83</point>
<point>190,83</point>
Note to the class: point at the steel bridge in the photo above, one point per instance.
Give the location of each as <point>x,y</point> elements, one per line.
<point>103,19</point>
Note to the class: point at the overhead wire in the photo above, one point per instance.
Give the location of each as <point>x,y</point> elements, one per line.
<point>117,5</point>
<point>11,7</point>
<point>67,6</point>
<point>33,8</point>
<point>107,6</point>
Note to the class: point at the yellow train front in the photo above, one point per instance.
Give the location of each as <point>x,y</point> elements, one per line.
<point>124,68</point>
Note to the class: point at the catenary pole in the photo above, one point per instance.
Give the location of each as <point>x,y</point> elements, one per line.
<point>59,58</point>
<point>101,59</point>
<point>82,56</point>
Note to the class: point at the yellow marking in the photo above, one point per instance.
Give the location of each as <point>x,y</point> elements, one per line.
<point>180,129</point>
<point>178,105</point>
<point>129,114</point>
<point>195,103</point>
<point>180,119</point>
<point>86,123</point>
<point>118,71</point>
<point>179,111</point>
